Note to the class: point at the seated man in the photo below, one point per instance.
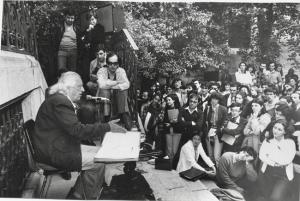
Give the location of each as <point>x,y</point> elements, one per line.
<point>113,84</point>
<point>95,65</point>
<point>233,168</point>
<point>58,133</point>
<point>234,127</point>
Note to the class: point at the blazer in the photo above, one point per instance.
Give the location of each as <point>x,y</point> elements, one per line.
<point>58,133</point>
<point>239,130</point>
<point>222,116</point>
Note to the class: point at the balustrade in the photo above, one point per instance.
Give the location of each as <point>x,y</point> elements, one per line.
<point>18,28</point>
<point>126,48</point>
<point>13,154</point>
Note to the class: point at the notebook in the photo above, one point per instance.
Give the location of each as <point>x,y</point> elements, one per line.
<point>192,174</point>
<point>173,114</point>
<point>229,139</point>
<point>119,147</point>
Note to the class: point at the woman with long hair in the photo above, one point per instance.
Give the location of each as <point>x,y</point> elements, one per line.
<point>257,123</point>
<point>276,154</point>
<point>170,122</point>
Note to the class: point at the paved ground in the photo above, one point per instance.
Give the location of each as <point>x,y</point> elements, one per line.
<point>59,187</point>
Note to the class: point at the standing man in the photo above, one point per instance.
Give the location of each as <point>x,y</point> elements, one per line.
<point>274,77</point>
<point>198,86</point>
<point>113,84</point>
<point>67,38</point>
<point>228,99</point>
<point>58,134</point>
<point>262,73</point>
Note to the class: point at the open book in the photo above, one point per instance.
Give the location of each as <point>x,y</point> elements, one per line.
<point>119,147</point>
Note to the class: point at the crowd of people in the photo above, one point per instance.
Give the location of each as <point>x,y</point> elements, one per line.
<point>243,131</point>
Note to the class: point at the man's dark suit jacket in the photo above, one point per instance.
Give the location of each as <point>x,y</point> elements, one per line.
<point>185,122</point>
<point>58,133</point>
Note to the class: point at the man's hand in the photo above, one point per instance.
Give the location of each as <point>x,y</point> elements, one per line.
<point>116,128</point>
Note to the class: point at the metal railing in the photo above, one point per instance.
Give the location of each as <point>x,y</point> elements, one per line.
<point>126,48</point>
<point>18,28</point>
<point>13,155</point>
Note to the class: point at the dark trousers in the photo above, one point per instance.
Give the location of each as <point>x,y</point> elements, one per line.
<point>67,59</point>
<point>273,183</point>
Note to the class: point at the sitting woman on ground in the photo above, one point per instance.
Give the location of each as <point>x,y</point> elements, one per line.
<point>189,156</point>
<point>258,121</point>
<point>276,154</point>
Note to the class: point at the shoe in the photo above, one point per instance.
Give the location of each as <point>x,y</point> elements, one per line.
<point>66,175</point>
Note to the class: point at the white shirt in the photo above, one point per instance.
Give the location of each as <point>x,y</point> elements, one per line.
<point>188,157</point>
<point>278,153</point>
<point>121,81</point>
<point>244,78</point>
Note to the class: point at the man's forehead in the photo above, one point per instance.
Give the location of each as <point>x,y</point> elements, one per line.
<point>113,58</point>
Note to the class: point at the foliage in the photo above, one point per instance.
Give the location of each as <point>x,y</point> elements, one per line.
<point>173,38</point>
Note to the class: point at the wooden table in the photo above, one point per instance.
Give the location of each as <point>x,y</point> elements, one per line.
<point>167,185</point>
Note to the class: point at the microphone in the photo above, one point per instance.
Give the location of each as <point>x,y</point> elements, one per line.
<point>96,98</point>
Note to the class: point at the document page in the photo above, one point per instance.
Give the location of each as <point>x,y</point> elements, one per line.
<point>119,147</point>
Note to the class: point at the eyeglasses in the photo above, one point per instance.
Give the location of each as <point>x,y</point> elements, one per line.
<point>113,63</point>
<point>100,53</point>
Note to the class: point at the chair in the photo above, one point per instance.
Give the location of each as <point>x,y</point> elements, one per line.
<point>35,166</point>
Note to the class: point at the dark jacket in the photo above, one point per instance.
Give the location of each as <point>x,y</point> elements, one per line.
<point>93,38</point>
<point>59,32</point>
<point>58,133</point>
<point>239,130</point>
<point>222,116</point>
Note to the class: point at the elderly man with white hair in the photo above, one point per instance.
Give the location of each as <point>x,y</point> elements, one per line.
<point>58,134</point>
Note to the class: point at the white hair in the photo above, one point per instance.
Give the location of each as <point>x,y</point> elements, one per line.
<point>66,80</point>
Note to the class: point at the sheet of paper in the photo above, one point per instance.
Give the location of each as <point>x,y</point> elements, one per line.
<point>232,125</point>
<point>212,132</point>
<point>119,147</point>
<point>173,114</point>
<point>228,139</point>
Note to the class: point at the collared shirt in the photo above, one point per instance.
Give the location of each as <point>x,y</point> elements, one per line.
<point>74,105</point>
<point>189,157</point>
<point>191,111</point>
<point>278,153</point>
<point>104,82</point>
<point>214,115</point>
<point>244,78</point>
